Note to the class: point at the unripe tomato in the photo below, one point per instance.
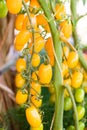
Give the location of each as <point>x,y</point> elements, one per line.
<point>73,59</point>
<point>63,28</point>
<point>81,125</point>
<point>35,60</point>
<point>67,104</point>
<point>77,78</point>
<point>36,101</point>
<point>45,73</point>
<point>3,9</point>
<point>35,88</point>
<point>71,127</point>
<point>79,95</point>
<point>80,112</point>
<point>85,86</point>
<point>14,6</point>
<point>19,81</point>
<point>33,117</point>
<point>59,11</point>
<point>38,128</point>
<point>20,64</point>
<point>21,97</point>
<point>19,21</point>
<point>21,39</point>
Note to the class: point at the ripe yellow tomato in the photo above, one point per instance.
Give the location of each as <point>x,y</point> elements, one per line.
<point>66,28</point>
<point>34,75</point>
<point>35,88</point>
<point>65,51</point>
<point>34,4</point>
<point>77,78</point>
<point>21,39</point>
<point>20,64</point>
<point>38,128</point>
<point>19,81</point>
<point>14,6</point>
<point>21,97</point>
<point>36,101</point>
<point>64,68</point>
<point>50,52</point>
<point>35,60</point>
<point>19,21</point>
<point>59,11</point>
<point>39,44</point>
<point>45,73</point>
<point>33,117</point>
<point>41,20</point>
<point>26,23</point>
<point>73,59</point>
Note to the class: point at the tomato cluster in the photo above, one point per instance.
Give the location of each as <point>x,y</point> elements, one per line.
<point>37,58</point>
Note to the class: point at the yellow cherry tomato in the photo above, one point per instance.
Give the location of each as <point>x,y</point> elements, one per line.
<point>20,64</point>
<point>35,60</point>
<point>14,6</point>
<point>35,75</point>
<point>59,11</point>
<point>73,59</point>
<point>35,88</point>
<point>21,39</point>
<point>66,28</point>
<point>38,128</point>
<point>77,78</point>
<point>33,117</point>
<point>19,21</point>
<point>65,51</point>
<point>64,68</point>
<point>21,97</point>
<point>45,73</point>
<point>36,101</point>
<point>19,81</point>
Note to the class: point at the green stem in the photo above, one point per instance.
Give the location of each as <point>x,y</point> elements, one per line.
<point>58,121</point>
<point>82,59</point>
<point>74,106</point>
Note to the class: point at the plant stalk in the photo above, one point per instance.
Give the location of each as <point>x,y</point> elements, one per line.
<point>59,91</point>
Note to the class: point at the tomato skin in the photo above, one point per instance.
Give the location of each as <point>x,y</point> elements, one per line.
<point>64,68</point>
<point>60,11</point>
<point>35,88</point>
<point>45,73</point>
<point>3,9</point>
<point>19,21</point>
<point>79,95</point>
<point>80,112</point>
<point>77,78</point>
<point>71,127</point>
<point>52,98</point>
<point>36,101</point>
<point>67,103</point>
<point>20,64</point>
<point>65,51</point>
<point>35,60</point>
<point>19,81</point>
<point>21,98</point>
<point>33,117</point>
<point>81,125</point>
<point>14,6</point>
<point>63,28</point>
<point>21,39</point>
<point>72,59</point>
<point>38,128</point>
